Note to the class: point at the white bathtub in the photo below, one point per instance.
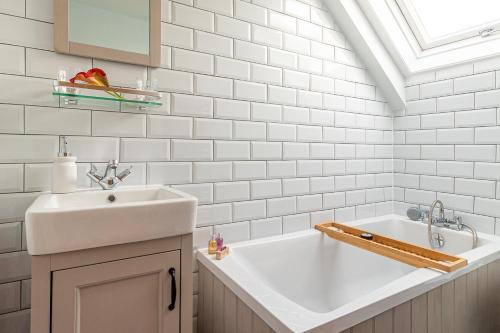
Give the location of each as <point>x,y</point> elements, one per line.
<point>305,281</point>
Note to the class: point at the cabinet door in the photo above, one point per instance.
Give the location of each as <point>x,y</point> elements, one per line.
<point>125,296</point>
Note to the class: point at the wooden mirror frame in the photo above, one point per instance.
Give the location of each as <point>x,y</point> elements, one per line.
<point>62,43</point>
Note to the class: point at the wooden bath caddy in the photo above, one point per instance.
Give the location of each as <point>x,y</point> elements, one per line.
<point>405,252</point>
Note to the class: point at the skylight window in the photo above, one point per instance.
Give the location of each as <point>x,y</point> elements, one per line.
<point>439,22</point>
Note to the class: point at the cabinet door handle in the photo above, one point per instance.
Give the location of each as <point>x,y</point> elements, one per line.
<point>173,289</point>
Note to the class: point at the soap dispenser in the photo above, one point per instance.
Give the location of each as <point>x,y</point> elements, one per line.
<point>64,172</point>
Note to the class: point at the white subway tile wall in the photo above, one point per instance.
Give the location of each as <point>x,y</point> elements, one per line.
<point>447,143</point>
<point>270,119</point>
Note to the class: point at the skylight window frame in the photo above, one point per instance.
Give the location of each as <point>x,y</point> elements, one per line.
<point>425,42</point>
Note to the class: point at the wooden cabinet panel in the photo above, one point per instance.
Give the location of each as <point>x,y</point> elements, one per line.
<point>124,296</point>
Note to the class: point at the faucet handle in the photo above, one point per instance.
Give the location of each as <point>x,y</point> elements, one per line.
<point>93,168</point>
<point>125,173</point>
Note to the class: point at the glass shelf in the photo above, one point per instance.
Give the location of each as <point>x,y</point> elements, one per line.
<point>89,95</point>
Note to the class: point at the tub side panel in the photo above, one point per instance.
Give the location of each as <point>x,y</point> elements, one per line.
<point>221,311</point>
<point>383,323</point>
<point>402,318</point>
<point>468,304</point>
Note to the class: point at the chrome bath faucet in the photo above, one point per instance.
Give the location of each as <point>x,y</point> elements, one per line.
<point>110,179</point>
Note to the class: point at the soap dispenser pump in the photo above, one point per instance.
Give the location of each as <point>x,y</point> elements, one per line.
<point>64,172</point>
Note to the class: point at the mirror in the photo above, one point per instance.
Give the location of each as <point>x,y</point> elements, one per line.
<point>120,30</point>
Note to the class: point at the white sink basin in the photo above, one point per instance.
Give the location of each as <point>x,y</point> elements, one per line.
<point>87,219</point>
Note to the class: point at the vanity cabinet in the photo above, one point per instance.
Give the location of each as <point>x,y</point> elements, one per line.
<point>140,287</point>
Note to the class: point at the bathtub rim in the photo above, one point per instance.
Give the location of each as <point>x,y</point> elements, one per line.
<point>261,298</point>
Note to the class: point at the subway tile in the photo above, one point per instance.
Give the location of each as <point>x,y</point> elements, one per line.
<point>479,188</point>
<point>234,232</point>
<point>476,118</point>
<point>43,120</point>
<point>250,51</point>
<point>295,79</point>
<point>37,177</point>
<point>203,192</point>
<point>296,44</point>
<point>250,13</point>
<point>266,112</point>
<point>15,266</point>
<point>298,222</point>
<point>282,22</point>
<point>117,124</point>
<point>250,91</point>
<point>309,168</point>
<point>11,178</point>
<point>263,189</point>
<point>455,103</point>
<point>266,150</point>
<point>94,149</point>
<point>144,150</point>
<point>282,58</point>
<point>190,61</point>
<point>474,83</point>
<point>477,153</point>
<point>485,135</point>
<point>298,9</point>
<point>188,105</point>
<point>175,35</point>
<point>271,4</point>
<point>489,207</point>
<point>266,227</point>
<point>212,171</point>
<point>232,28</point>
<point>219,6</point>
<point>10,297</point>
<point>169,173</point>
<point>267,36</point>
<point>10,237</point>
<point>231,109</point>
<point>15,322</point>
<point>487,99</point>
<point>25,90</point>
<point>249,210</point>
<point>215,44</point>
<point>22,32</point>
<point>174,81</point>
<point>440,120</point>
<point>455,136</point>
<point>192,150</point>
<point>212,129</point>
<point>213,86</point>
<point>487,171</point>
<point>215,214</point>
<point>266,74</point>
<point>246,130</point>
<point>121,74</point>
<point>281,95</point>
<point>13,7</point>
<point>192,17</point>
<point>11,119</point>
<point>281,206</point>
<point>248,170</point>
<point>169,127</point>
<point>281,169</point>
<point>28,148</point>
<point>231,191</point>
<point>232,150</point>
<point>232,68</point>
<point>293,151</point>
<point>12,60</point>
<point>435,89</point>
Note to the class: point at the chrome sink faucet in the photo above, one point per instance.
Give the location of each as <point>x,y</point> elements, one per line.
<point>110,179</point>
